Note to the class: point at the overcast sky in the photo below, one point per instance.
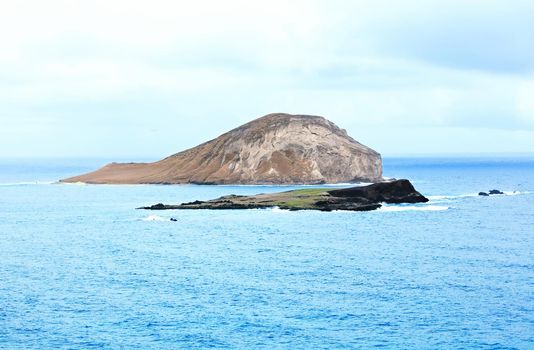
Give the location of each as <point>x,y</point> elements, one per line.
<point>145,79</point>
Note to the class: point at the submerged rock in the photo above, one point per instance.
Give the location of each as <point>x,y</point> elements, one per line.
<point>483,194</point>
<point>362,198</point>
<point>495,192</point>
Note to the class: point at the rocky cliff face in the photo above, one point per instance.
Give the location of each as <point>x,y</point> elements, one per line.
<point>274,149</point>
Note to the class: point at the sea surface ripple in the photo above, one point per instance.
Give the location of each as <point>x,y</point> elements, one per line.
<point>81,268</point>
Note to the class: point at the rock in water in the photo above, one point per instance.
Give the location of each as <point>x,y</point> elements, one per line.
<point>356,199</point>
<point>274,149</point>
<point>490,192</point>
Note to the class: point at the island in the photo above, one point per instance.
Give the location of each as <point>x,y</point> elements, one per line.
<point>279,148</point>
<point>358,198</point>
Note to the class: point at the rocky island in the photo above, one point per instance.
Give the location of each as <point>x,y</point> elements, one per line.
<point>278,148</point>
<point>360,198</point>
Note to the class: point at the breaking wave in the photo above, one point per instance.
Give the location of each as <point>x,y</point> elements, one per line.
<point>449,197</point>
<point>79,183</point>
<point>413,208</point>
<point>155,218</point>
<point>437,198</point>
<point>279,210</point>
<point>28,183</point>
<point>514,193</point>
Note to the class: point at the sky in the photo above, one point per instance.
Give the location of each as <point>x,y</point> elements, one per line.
<point>145,79</point>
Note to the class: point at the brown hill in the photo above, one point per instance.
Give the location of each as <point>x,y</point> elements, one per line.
<point>274,149</point>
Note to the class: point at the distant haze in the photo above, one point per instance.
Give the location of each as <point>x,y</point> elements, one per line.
<point>150,78</point>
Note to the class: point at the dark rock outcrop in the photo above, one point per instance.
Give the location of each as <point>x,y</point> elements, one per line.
<point>490,193</point>
<point>159,206</point>
<point>399,191</point>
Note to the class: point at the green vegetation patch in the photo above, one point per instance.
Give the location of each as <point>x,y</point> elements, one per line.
<point>302,202</point>
<point>309,191</point>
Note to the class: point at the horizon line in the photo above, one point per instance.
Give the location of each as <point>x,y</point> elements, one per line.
<point>147,158</point>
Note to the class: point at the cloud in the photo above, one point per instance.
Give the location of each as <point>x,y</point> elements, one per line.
<point>494,36</point>
<point>191,70</point>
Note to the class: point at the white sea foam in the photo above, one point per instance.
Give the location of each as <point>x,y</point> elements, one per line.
<point>385,207</point>
<point>155,218</point>
<point>449,197</point>
<point>437,198</point>
<point>413,208</point>
<point>28,183</point>
<point>278,210</point>
<point>514,193</point>
<point>79,183</point>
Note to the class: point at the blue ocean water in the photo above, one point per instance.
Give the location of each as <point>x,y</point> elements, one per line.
<point>81,268</point>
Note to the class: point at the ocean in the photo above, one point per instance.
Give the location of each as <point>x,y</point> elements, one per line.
<point>81,268</point>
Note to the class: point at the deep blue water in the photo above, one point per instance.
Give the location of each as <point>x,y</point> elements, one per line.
<point>81,268</point>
